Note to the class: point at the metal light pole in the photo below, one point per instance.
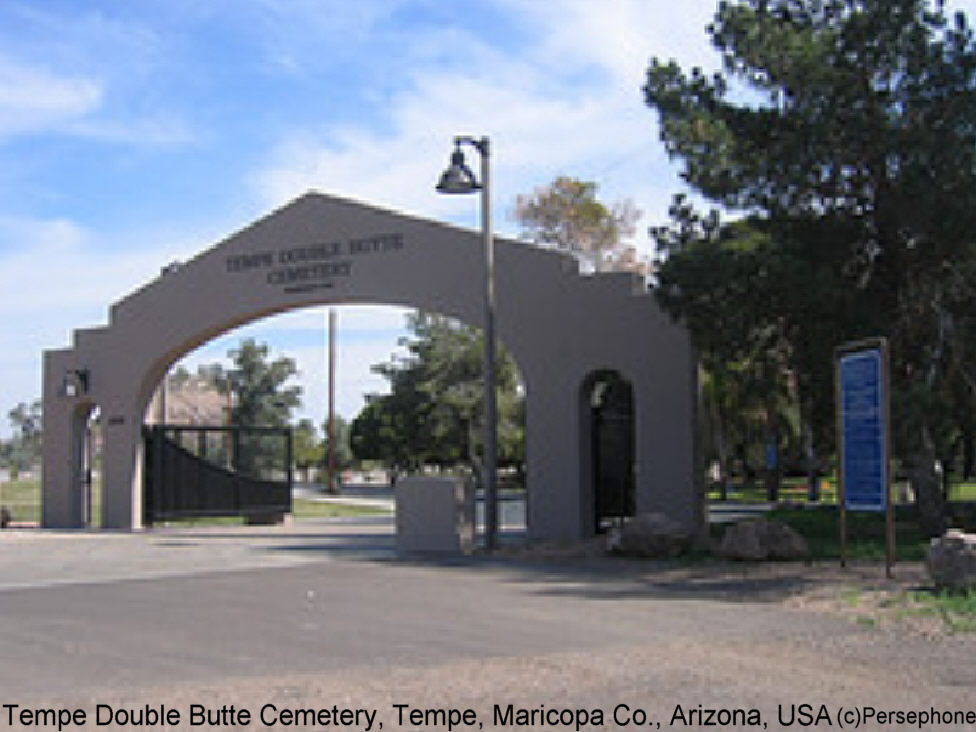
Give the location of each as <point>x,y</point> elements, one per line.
<point>458,178</point>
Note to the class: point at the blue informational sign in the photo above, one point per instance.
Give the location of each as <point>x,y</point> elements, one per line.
<point>864,462</point>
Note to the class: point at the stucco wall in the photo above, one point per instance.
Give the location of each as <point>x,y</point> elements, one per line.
<point>560,326</point>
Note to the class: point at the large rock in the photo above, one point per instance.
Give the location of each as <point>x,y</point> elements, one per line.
<point>743,541</point>
<point>651,535</point>
<point>952,560</point>
<point>761,538</point>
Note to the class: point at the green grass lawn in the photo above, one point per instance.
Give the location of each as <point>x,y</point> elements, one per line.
<point>957,610</point>
<point>820,526</point>
<point>302,508</point>
<point>963,492</point>
<point>795,490</point>
<point>22,498</point>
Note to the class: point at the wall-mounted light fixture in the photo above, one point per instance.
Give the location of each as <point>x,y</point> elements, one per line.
<point>75,383</point>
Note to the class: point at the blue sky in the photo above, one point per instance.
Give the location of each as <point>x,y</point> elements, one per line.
<point>136,133</point>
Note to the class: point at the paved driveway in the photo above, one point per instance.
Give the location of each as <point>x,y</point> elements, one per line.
<point>307,617</point>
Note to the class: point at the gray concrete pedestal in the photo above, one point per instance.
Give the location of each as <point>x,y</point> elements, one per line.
<point>434,515</point>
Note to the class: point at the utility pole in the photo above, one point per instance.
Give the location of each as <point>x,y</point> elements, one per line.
<point>331,488</point>
<point>162,398</point>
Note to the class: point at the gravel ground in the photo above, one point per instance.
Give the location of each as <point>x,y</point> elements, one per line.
<point>654,678</point>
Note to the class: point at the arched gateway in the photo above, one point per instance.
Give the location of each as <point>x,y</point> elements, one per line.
<point>560,326</point>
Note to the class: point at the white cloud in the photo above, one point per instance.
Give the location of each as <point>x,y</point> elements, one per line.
<point>621,36</point>
<point>55,277</point>
<point>90,73</point>
<point>570,104</point>
<point>535,136</point>
<point>68,262</point>
<point>157,130</point>
<point>32,100</point>
<point>292,33</point>
<point>51,282</point>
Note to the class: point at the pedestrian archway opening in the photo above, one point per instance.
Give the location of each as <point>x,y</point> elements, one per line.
<point>86,463</point>
<point>608,449</point>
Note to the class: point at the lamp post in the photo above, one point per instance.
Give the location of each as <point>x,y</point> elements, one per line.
<point>458,178</point>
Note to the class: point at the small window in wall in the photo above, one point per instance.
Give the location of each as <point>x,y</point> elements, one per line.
<point>611,412</point>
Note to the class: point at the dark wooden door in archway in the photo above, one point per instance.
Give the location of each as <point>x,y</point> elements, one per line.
<point>612,431</point>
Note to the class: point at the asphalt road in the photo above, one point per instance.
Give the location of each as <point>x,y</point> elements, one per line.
<point>322,614</point>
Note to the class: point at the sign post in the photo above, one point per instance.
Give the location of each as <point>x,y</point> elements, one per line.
<point>864,437</point>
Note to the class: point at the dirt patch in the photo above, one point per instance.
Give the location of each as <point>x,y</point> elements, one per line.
<point>859,592</point>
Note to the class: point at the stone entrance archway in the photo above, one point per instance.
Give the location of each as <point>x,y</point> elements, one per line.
<point>318,250</point>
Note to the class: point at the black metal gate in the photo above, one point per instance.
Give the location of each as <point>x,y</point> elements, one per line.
<point>197,471</point>
<point>613,452</point>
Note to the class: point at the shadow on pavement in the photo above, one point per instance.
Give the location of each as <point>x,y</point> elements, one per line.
<point>613,578</point>
<point>597,577</point>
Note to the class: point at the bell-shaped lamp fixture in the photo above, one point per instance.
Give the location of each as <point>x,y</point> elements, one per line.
<point>75,383</point>
<point>458,177</point>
